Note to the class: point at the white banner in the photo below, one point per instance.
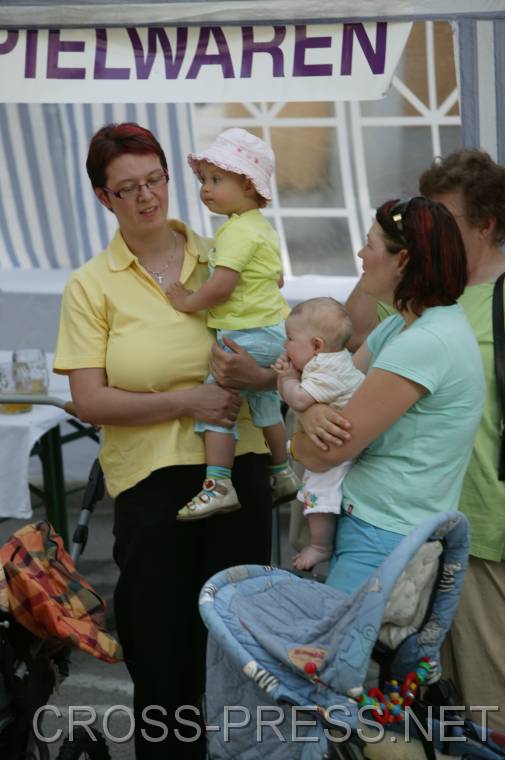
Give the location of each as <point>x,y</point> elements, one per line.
<point>351,61</point>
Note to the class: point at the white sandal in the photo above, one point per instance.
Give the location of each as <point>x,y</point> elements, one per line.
<point>215,496</point>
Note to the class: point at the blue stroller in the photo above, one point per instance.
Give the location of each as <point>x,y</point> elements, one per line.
<point>288,658</point>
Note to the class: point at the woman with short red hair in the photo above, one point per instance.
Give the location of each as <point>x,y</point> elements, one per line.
<point>136,367</point>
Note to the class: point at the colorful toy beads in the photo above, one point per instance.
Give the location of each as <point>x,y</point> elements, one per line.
<point>389,707</point>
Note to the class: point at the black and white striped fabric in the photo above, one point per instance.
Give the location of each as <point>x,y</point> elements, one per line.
<point>49,216</point>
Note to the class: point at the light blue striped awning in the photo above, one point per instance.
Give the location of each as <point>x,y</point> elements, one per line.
<point>49,215</point>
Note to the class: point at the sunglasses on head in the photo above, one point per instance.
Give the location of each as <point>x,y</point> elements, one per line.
<point>400,211</point>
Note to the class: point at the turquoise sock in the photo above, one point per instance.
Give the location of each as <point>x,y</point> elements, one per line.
<point>217,473</point>
<point>276,468</point>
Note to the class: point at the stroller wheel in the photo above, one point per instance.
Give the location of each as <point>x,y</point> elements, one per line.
<point>83,747</point>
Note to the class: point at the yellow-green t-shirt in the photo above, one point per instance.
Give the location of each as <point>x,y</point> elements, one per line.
<point>247,243</point>
<point>482,495</point>
<point>114,316</point>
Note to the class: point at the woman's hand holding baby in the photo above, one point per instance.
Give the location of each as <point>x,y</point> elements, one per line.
<point>211,403</point>
<point>236,368</point>
<point>325,426</point>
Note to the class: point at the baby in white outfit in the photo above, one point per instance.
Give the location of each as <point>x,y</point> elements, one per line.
<point>317,368</point>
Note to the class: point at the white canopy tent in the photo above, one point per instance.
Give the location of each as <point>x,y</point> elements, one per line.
<point>42,141</point>
<point>33,130</point>
<point>481,26</point>
<point>47,13</point>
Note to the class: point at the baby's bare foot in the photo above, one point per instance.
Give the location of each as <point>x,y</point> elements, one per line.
<point>310,556</point>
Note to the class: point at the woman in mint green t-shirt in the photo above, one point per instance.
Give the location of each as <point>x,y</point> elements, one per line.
<point>415,416</point>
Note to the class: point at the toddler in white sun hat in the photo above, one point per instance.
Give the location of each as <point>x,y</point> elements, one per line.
<point>244,304</point>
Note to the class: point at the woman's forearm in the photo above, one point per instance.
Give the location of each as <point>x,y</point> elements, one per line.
<point>264,380</point>
<point>113,406</point>
<point>100,404</point>
<point>379,401</point>
<point>362,310</point>
<point>314,458</point>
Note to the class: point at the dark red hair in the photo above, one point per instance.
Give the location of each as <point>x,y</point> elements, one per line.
<point>115,140</point>
<point>436,271</point>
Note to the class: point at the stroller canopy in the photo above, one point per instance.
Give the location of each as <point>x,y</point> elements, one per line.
<point>277,639</point>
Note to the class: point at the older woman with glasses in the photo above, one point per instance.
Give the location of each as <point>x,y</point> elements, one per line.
<point>414,418</point>
<point>472,186</point>
<point>136,367</point>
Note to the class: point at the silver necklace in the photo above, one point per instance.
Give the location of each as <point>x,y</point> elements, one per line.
<point>158,275</point>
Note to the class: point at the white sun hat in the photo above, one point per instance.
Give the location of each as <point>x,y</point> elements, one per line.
<point>236,150</point>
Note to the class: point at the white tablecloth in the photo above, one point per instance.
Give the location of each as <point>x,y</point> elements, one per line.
<point>18,433</point>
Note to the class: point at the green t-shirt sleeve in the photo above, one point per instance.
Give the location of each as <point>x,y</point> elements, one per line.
<point>235,246</point>
<point>384,310</point>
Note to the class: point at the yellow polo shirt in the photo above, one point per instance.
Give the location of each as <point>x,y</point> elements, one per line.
<point>114,316</point>
<point>247,243</point>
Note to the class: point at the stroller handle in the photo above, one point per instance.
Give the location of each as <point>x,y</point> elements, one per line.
<point>38,399</point>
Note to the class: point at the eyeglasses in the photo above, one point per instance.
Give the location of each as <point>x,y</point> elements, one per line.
<point>158,180</point>
<point>400,211</point>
